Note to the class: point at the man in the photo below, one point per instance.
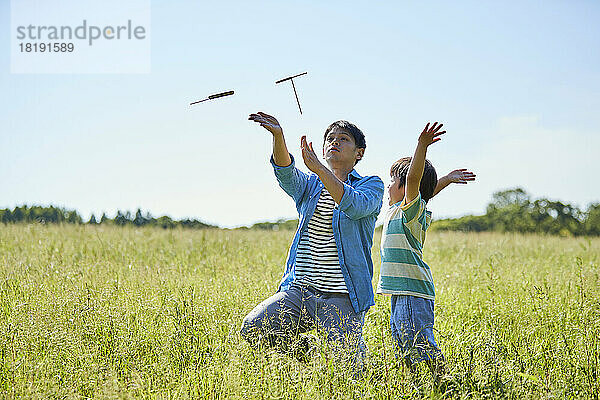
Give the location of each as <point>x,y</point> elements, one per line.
<point>327,280</point>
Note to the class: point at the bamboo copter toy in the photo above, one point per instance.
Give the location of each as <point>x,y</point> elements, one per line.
<point>291,78</point>
<point>213,96</point>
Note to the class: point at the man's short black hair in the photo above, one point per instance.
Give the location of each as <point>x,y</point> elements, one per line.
<point>359,137</point>
<point>399,170</point>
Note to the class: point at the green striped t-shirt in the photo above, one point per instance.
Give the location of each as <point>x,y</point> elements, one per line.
<point>403,270</point>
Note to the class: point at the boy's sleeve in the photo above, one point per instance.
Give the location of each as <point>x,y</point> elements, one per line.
<point>364,200</point>
<point>412,209</point>
<point>291,179</point>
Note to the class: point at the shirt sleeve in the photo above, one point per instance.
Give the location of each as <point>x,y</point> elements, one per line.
<point>363,200</point>
<point>291,179</point>
<point>412,209</point>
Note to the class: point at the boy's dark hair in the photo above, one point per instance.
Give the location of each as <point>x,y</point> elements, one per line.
<point>399,170</point>
<point>359,137</point>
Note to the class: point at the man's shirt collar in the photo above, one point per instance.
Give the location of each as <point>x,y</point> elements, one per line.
<point>353,175</point>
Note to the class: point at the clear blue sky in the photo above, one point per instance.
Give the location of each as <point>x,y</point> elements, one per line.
<point>517,84</point>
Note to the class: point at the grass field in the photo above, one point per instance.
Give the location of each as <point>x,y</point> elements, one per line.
<point>106,312</point>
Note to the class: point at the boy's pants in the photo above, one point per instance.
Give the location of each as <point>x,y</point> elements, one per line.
<point>411,321</point>
<point>279,320</point>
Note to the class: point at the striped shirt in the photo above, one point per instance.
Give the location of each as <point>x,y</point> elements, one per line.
<point>403,271</point>
<point>317,262</point>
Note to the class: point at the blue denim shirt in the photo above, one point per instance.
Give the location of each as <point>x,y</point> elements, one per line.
<point>353,226</point>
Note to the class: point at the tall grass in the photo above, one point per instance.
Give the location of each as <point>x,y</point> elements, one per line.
<point>105,312</point>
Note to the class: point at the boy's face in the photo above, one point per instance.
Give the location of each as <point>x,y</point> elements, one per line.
<point>395,191</point>
<point>339,149</point>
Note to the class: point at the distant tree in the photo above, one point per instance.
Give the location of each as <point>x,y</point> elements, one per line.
<point>17,215</point>
<point>265,226</point>
<point>504,198</point>
<point>139,219</point>
<point>7,216</point>
<point>34,214</point>
<point>165,222</point>
<point>513,210</point>
<point>104,219</point>
<point>121,219</point>
<point>468,223</point>
<point>193,224</point>
<point>60,215</point>
<point>150,220</point>
<point>281,224</point>
<point>54,215</point>
<point>592,220</point>
<point>557,218</point>
<point>509,211</point>
<point>73,217</point>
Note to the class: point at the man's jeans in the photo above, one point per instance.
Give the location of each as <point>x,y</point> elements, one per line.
<point>279,320</point>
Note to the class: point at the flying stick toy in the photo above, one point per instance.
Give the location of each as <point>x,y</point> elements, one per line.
<point>213,96</point>
<point>291,78</point>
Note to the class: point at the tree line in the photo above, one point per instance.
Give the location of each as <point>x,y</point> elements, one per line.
<point>511,210</point>
<point>57,215</point>
<point>514,210</point>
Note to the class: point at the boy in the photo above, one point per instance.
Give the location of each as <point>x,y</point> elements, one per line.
<point>404,274</point>
<point>327,279</point>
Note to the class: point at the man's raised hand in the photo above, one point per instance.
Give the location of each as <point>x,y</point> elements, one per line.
<point>281,156</point>
<point>462,176</point>
<point>431,134</point>
<point>310,157</point>
<point>268,122</point>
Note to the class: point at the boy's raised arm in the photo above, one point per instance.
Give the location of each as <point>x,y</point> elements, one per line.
<point>417,164</point>
<point>460,176</point>
<point>281,155</point>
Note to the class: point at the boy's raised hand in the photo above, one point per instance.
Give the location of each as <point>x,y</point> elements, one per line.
<point>431,134</point>
<point>268,122</point>
<point>417,164</point>
<point>461,176</point>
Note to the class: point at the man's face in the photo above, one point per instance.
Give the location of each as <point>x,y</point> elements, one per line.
<point>339,149</point>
